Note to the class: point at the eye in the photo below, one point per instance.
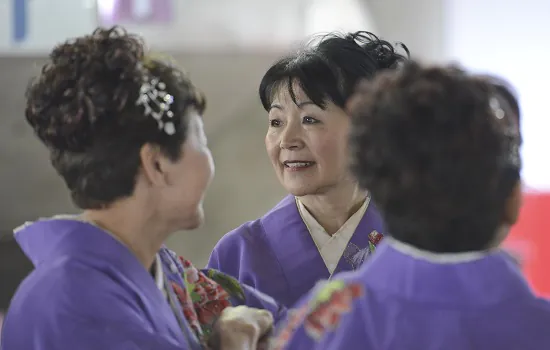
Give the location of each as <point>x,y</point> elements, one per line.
<point>274,123</point>
<point>309,120</point>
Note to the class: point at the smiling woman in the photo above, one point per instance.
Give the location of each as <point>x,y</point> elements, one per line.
<point>327,224</point>
<point>303,143</point>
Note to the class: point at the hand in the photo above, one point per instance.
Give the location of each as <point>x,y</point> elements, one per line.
<point>241,327</point>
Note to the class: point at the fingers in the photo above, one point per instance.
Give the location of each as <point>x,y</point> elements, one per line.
<point>243,325</point>
<point>265,321</point>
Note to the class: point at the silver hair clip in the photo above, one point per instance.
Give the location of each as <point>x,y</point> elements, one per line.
<point>511,131</point>
<point>157,103</point>
<point>496,108</point>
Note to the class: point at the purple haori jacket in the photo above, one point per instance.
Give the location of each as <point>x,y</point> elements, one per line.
<point>277,255</point>
<point>87,292</point>
<point>406,299</point>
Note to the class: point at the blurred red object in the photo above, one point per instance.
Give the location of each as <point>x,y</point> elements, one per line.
<point>529,240</point>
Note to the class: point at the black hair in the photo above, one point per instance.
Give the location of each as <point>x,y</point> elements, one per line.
<point>439,151</point>
<point>83,107</point>
<point>329,67</point>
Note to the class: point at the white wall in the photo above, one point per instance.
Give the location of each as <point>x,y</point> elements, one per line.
<point>49,21</point>
<point>510,38</point>
<point>196,24</point>
<point>417,23</point>
<point>322,16</point>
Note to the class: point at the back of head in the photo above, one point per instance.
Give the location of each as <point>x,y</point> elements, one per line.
<point>97,101</point>
<point>329,67</point>
<point>439,151</point>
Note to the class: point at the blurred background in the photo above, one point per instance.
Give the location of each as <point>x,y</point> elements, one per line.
<point>226,46</point>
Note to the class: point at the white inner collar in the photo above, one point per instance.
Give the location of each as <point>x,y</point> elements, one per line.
<point>159,273</point>
<point>437,258</point>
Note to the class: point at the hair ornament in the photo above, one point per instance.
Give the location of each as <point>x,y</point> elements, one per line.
<point>496,108</point>
<point>511,131</point>
<point>157,103</point>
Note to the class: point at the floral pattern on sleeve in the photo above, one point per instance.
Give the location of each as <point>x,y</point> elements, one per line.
<point>205,296</point>
<point>202,300</point>
<point>322,314</point>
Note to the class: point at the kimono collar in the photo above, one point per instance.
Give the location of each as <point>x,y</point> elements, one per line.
<point>437,258</point>
<point>47,241</point>
<point>158,273</point>
<point>470,280</point>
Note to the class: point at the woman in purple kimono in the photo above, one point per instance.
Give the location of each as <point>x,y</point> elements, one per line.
<point>439,150</point>
<point>327,224</point>
<point>125,133</point>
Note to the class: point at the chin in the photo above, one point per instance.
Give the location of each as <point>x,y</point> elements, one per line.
<point>300,191</point>
<point>194,221</point>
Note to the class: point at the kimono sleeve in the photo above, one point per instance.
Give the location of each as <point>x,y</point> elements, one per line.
<point>105,336</point>
<point>328,318</point>
<point>77,333</point>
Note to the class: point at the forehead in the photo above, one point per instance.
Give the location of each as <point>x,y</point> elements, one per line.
<point>286,93</point>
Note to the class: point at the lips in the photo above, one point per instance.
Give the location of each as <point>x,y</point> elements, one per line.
<point>297,164</point>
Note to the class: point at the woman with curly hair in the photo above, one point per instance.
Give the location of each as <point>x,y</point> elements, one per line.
<point>327,224</point>
<point>439,150</point>
<point>125,133</point>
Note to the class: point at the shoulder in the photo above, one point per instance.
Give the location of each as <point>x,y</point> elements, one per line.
<point>248,234</point>
<point>540,309</point>
<point>253,232</point>
<point>70,287</point>
<point>322,318</point>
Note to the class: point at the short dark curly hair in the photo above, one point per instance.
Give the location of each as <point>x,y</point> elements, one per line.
<point>329,67</point>
<point>83,107</point>
<point>439,151</point>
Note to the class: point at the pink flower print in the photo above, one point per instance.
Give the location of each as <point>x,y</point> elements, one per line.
<point>375,237</point>
<point>327,314</point>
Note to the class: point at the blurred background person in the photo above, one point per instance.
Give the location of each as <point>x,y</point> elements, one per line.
<point>439,149</point>
<point>327,224</point>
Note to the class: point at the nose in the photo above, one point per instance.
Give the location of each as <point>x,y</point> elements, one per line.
<point>291,137</point>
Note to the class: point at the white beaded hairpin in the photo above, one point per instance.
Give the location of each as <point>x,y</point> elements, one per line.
<point>157,103</point>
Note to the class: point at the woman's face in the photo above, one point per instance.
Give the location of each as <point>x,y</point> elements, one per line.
<point>307,145</point>
<point>189,178</point>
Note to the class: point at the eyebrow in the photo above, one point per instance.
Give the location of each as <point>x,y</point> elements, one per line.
<point>299,104</point>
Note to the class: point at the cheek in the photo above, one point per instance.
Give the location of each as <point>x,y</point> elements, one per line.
<point>210,165</point>
<point>207,168</point>
<point>330,152</point>
<point>195,174</point>
<point>272,149</point>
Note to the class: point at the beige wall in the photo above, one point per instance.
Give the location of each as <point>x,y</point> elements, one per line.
<point>244,186</point>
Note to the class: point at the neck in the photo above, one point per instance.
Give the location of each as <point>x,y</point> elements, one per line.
<point>333,208</point>
<point>502,233</point>
<point>133,228</point>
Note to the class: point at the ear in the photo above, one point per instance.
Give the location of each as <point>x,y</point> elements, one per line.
<point>513,205</point>
<point>153,164</point>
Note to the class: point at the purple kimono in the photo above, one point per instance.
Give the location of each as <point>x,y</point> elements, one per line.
<point>88,292</point>
<point>407,299</point>
<point>277,255</point>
